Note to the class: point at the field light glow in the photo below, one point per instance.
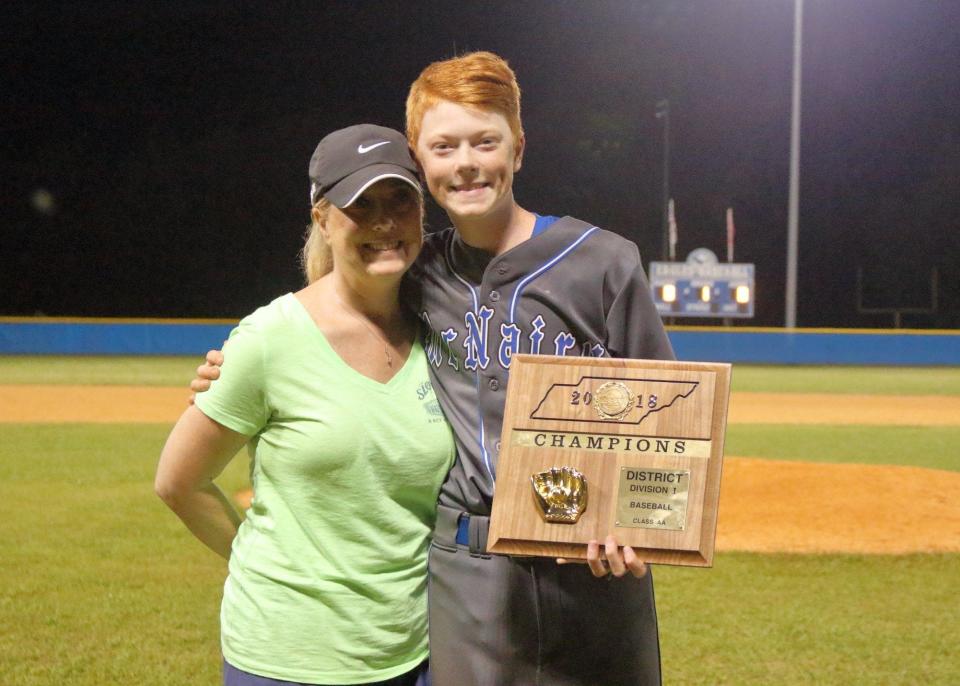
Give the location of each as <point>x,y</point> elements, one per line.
<point>742,295</point>
<point>705,294</point>
<point>669,293</point>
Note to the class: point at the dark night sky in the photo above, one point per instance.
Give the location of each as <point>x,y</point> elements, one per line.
<point>174,139</point>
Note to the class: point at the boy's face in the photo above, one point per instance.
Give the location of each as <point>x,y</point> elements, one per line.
<point>468,158</point>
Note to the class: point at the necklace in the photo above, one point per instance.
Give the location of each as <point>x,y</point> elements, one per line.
<point>356,315</point>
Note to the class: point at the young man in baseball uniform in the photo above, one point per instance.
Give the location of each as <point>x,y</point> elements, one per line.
<point>501,281</point>
<point>504,280</point>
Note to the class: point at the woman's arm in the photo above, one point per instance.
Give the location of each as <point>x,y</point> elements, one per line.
<point>197,450</point>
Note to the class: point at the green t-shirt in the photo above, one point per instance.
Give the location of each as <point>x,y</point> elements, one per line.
<point>328,573</point>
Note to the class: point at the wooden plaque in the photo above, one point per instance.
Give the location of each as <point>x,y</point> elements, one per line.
<point>645,435</point>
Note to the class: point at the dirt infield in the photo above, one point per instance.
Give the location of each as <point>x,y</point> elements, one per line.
<point>803,507</point>
<point>92,404</point>
<point>136,404</point>
<point>765,506</point>
<point>824,408</point>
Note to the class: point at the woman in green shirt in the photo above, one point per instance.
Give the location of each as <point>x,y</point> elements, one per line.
<point>328,388</point>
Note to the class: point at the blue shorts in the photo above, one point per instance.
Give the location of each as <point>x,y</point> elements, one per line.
<point>237,677</point>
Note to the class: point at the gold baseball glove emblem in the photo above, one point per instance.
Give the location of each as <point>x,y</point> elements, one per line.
<point>613,400</point>
<point>561,493</point>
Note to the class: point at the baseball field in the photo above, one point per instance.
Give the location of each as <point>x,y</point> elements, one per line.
<point>838,541</point>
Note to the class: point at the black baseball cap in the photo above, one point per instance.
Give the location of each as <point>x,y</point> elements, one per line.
<point>348,161</point>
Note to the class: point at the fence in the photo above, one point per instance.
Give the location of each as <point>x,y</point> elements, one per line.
<point>62,336</point>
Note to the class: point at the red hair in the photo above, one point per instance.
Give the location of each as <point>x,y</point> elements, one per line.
<point>478,80</point>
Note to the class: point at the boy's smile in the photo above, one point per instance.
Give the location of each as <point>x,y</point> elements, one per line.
<point>468,158</point>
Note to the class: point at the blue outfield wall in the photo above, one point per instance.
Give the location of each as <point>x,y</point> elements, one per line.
<point>56,336</point>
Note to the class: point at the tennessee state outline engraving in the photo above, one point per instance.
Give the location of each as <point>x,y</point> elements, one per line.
<point>575,402</point>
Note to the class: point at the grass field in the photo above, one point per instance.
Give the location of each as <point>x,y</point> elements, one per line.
<point>100,584</point>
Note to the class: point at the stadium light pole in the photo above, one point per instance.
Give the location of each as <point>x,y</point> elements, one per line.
<point>663,112</point>
<point>793,211</point>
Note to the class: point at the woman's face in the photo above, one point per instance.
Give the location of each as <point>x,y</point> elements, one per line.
<point>380,234</point>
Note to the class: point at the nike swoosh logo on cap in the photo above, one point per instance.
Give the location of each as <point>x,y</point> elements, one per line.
<point>367,148</point>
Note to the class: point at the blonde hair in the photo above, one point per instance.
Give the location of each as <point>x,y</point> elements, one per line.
<point>316,258</point>
<point>479,80</point>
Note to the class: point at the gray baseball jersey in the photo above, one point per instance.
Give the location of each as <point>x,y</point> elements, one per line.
<point>495,620</point>
<point>574,289</point>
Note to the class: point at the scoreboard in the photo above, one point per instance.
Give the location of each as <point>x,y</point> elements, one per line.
<point>703,287</point>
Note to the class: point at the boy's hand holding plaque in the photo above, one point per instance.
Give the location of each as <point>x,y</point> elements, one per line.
<point>592,447</point>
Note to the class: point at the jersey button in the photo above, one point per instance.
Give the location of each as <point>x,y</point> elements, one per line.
<point>502,269</point>
<point>495,296</point>
<point>494,384</point>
